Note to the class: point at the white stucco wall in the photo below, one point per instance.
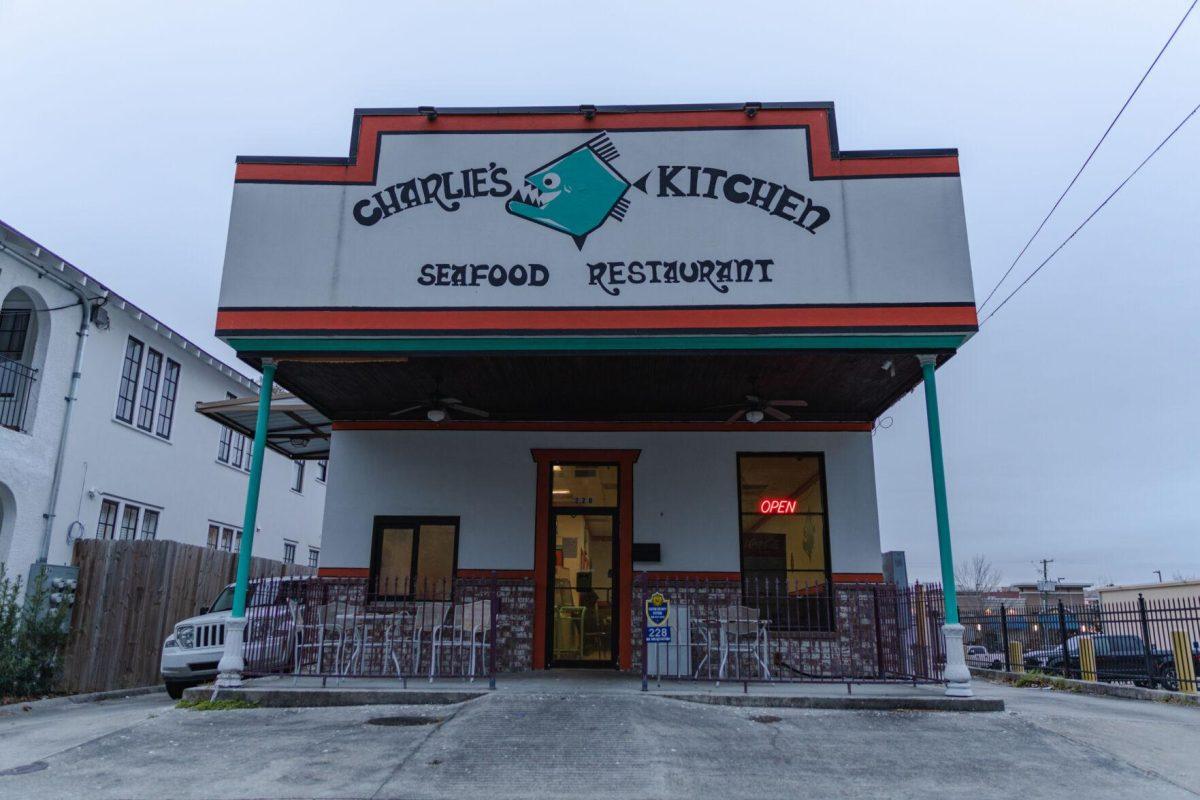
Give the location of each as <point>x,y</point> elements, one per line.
<point>106,457</point>
<point>685,492</point>
<point>27,458</point>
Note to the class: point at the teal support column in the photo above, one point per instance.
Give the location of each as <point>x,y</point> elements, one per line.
<point>250,519</point>
<point>958,677</point>
<point>229,670</point>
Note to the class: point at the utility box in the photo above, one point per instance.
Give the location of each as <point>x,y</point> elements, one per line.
<point>57,583</point>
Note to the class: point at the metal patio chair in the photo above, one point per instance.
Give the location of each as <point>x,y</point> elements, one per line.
<point>468,629</point>
<point>740,630</point>
<point>427,616</point>
<point>325,629</point>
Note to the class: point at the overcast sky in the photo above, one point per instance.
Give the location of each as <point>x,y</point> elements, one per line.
<point>1070,421</point>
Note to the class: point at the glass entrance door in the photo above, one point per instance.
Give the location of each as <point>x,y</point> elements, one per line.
<point>583,614</point>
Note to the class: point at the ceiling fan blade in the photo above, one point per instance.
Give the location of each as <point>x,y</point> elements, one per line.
<point>793,403</point>
<point>449,401</point>
<point>771,411</point>
<point>753,399</point>
<point>406,410</point>
<point>736,415</point>
<point>467,409</point>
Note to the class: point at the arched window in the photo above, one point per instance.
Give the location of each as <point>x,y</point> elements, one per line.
<point>20,356</point>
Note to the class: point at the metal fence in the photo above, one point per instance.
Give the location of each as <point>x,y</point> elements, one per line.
<point>1140,642</point>
<point>352,627</point>
<point>787,629</point>
<point>16,388</point>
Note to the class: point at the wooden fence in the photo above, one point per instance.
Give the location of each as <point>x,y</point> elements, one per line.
<point>130,595</point>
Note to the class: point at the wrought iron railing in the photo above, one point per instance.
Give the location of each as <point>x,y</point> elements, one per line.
<point>352,628</point>
<point>789,630</point>
<point>1144,642</point>
<point>16,390</point>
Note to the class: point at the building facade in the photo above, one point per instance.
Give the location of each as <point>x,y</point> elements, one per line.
<point>584,348</point>
<point>137,462</point>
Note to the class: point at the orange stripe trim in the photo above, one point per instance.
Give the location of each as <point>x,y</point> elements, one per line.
<point>824,164</point>
<point>230,321</point>
<point>692,576</point>
<point>858,577</point>
<point>343,572</point>
<point>503,574</point>
<point>623,427</point>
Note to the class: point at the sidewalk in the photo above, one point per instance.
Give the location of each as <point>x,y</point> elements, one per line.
<point>285,692</point>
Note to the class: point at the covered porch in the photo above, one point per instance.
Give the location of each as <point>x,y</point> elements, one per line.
<point>680,391</point>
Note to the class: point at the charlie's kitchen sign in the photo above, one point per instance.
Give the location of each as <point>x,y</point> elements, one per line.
<point>646,209</point>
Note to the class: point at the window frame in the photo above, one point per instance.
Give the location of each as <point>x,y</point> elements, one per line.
<point>828,533</point>
<point>126,382</point>
<point>15,331</point>
<point>298,475</point>
<point>152,534</point>
<point>152,393</point>
<point>415,522</point>
<point>111,525</point>
<point>116,530</point>
<point>322,470</point>
<point>314,556</point>
<point>147,390</point>
<point>287,543</point>
<point>172,372</point>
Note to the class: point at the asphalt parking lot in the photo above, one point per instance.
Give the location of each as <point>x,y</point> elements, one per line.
<point>613,744</point>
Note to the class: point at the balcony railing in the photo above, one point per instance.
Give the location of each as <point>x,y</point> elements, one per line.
<point>16,389</point>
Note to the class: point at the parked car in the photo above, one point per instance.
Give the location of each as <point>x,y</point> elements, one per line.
<point>191,653</point>
<point>978,656</point>
<point>1119,657</point>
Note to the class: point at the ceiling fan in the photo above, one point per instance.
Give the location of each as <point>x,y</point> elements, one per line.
<point>754,408</point>
<point>438,408</point>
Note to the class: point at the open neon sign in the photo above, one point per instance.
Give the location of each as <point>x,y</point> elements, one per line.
<point>776,505</point>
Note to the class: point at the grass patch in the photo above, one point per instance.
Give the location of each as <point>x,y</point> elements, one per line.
<point>230,704</point>
<point>1039,680</point>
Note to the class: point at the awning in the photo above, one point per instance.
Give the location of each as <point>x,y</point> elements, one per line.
<point>294,428</point>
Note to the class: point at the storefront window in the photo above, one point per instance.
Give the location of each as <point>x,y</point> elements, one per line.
<point>414,557</point>
<point>785,535</point>
<point>584,485</point>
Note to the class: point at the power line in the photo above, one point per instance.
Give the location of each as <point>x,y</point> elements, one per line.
<point>1089,217</point>
<point>1087,160</point>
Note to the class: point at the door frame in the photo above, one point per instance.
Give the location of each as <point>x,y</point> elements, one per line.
<point>614,593</point>
<point>622,576</point>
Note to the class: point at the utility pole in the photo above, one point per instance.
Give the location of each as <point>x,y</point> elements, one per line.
<point>1046,562</point>
<point>1158,572</point>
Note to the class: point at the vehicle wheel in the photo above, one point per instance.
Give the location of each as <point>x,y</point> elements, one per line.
<point>997,665</point>
<point>1167,679</point>
<point>175,689</point>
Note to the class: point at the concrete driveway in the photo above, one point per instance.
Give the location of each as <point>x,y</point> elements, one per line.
<point>610,744</point>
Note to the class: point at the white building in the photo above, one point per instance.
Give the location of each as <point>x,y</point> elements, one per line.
<point>134,460</point>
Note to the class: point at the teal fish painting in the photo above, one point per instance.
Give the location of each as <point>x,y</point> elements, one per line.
<point>576,192</point>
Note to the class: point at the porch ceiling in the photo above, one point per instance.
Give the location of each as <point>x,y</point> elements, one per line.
<point>842,386</point>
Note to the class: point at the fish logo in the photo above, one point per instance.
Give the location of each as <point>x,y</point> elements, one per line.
<point>576,192</point>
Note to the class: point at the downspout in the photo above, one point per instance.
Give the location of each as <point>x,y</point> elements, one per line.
<point>72,391</point>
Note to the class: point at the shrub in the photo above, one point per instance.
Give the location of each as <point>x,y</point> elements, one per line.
<point>31,639</point>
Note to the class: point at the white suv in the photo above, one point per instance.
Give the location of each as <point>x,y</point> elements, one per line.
<point>191,653</point>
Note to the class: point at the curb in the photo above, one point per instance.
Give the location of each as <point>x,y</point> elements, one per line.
<point>88,697</point>
<point>846,703</point>
<point>332,697</point>
<point>1094,688</point>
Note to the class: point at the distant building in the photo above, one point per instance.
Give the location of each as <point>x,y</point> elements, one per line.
<point>136,461</point>
<point>1168,590</point>
<point>1034,594</point>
